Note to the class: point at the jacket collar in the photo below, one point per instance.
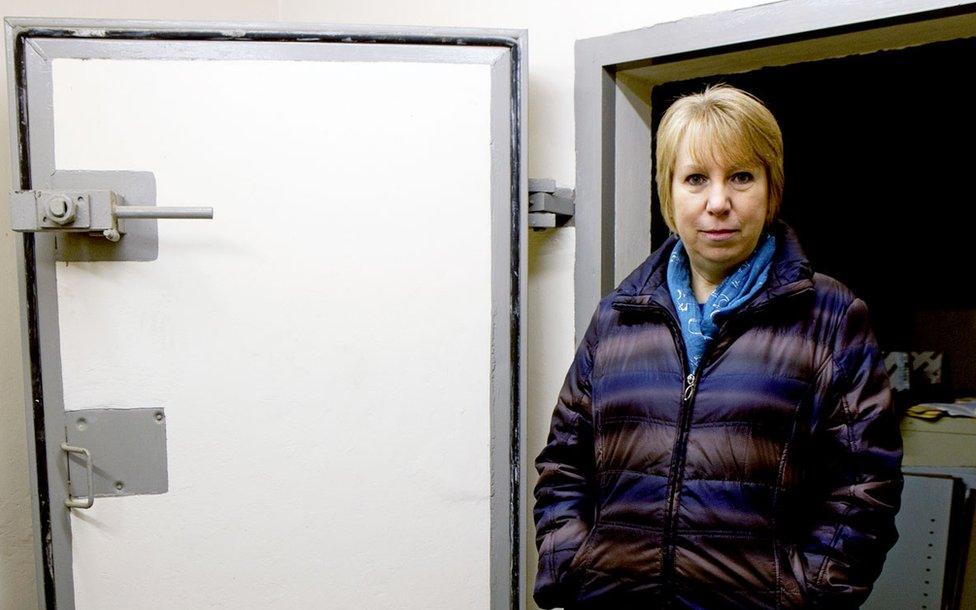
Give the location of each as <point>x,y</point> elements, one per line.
<point>791,274</point>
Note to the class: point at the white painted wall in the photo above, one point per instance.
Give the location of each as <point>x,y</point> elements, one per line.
<point>553,27</point>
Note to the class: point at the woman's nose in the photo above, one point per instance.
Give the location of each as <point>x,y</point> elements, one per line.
<point>719,201</point>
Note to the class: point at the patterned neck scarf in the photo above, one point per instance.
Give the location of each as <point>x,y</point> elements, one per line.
<point>699,323</point>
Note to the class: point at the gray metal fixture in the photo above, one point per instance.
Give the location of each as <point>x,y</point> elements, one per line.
<point>92,212</point>
<point>124,453</point>
<point>549,205</point>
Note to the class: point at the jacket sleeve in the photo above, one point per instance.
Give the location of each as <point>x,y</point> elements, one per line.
<point>564,500</point>
<point>857,463</point>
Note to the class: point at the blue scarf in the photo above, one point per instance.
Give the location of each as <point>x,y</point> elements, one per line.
<point>697,327</point>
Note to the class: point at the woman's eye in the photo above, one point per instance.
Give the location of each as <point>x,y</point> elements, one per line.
<point>742,177</point>
<point>695,179</point>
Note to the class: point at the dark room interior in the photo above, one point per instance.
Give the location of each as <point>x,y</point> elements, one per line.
<point>878,154</point>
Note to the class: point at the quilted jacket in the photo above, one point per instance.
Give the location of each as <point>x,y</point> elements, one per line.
<point>768,478</point>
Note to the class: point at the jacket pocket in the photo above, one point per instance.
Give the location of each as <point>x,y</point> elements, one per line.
<point>579,558</point>
<point>555,555</point>
<point>791,585</point>
<point>617,562</point>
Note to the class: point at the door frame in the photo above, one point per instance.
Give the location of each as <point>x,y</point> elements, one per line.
<point>38,41</point>
<point>615,74</point>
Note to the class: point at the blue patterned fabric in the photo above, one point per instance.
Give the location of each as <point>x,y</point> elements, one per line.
<point>699,322</point>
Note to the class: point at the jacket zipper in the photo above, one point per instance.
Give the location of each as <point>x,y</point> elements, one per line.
<point>688,392</point>
<point>676,475</point>
<point>684,426</point>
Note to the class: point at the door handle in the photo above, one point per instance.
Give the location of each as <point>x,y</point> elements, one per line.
<point>89,470</point>
<point>152,211</point>
<point>92,212</point>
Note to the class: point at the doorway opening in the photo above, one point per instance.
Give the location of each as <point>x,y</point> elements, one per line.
<point>877,123</point>
<point>880,155</point>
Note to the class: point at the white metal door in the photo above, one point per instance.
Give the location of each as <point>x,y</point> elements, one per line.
<point>325,350</point>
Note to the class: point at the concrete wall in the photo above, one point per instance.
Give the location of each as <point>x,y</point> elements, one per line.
<point>553,27</point>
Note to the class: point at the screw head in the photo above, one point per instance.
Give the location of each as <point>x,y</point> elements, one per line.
<point>61,210</point>
<point>58,206</point>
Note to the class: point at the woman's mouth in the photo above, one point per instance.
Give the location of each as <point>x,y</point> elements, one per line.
<point>719,235</point>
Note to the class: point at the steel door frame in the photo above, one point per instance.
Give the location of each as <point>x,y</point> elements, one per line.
<point>36,42</point>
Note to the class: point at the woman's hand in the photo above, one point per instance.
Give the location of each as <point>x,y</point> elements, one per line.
<point>857,459</point>
<point>564,498</point>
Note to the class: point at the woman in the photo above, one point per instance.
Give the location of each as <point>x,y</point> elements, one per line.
<point>725,436</point>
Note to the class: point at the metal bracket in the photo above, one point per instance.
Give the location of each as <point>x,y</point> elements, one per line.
<point>128,447</point>
<point>77,206</point>
<point>76,211</point>
<point>549,207</point>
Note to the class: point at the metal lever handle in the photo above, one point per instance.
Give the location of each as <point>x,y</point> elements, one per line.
<point>153,212</point>
<point>89,469</point>
<point>91,212</point>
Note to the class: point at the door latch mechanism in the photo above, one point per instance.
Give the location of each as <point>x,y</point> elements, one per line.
<point>93,212</point>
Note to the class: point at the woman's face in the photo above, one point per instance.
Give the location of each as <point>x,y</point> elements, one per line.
<point>719,211</point>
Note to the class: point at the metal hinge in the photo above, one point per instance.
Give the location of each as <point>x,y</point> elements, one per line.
<point>549,206</point>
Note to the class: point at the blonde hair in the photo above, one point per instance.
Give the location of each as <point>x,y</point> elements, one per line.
<point>725,123</point>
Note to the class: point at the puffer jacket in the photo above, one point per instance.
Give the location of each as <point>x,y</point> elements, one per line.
<point>768,478</point>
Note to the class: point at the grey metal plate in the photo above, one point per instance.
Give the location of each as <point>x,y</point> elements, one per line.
<point>128,448</point>
<point>140,242</point>
<point>916,566</point>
